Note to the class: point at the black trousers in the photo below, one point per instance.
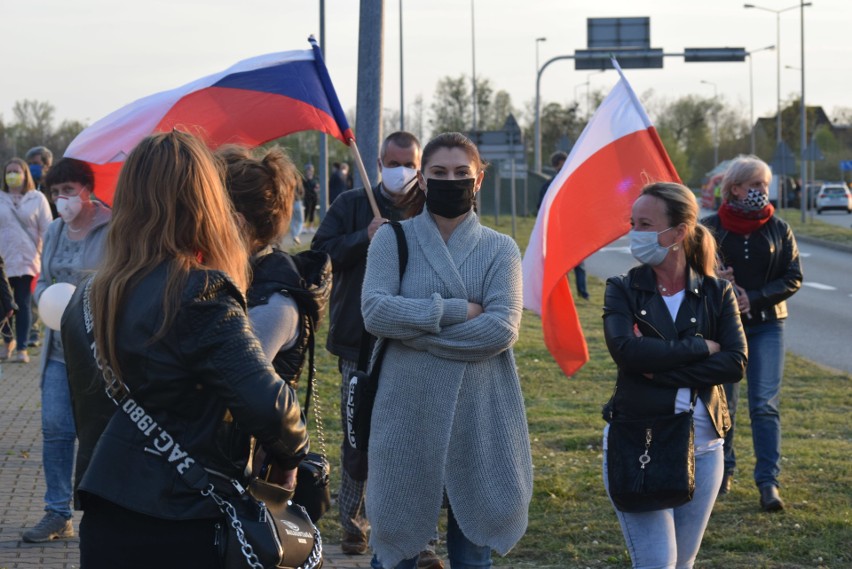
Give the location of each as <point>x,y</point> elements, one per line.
<point>113,537</point>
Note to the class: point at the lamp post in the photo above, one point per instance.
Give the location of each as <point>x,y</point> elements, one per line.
<point>778,56</point>
<point>473,53</point>
<point>715,122</point>
<point>751,89</point>
<point>401,98</point>
<point>588,99</point>
<point>537,42</point>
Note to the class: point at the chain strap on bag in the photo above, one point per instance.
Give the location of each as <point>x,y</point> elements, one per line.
<point>260,535</point>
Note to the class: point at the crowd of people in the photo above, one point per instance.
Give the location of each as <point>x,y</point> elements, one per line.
<point>180,303</point>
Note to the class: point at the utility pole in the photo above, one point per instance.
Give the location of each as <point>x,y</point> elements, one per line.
<point>368,108</point>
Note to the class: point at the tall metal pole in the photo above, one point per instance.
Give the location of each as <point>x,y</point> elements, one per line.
<point>804,139</point>
<point>473,53</point>
<point>715,122</point>
<point>537,141</point>
<point>751,90</point>
<point>401,98</point>
<point>322,171</point>
<point>368,109</point>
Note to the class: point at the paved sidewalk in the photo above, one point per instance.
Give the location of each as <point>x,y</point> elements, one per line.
<point>22,484</point>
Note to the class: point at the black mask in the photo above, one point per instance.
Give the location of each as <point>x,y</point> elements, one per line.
<point>449,198</point>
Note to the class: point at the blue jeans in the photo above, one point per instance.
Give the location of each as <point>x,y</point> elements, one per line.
<point>763,376</point>
<point>462,553</point>
<point>22,290</point>
<point>59,434</point>
<point>297,220</point>
<point>669,539</point>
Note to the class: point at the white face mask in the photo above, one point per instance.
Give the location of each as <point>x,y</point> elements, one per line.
<point>398,180</point>
<point>69,207</point>
<point>645,247</point>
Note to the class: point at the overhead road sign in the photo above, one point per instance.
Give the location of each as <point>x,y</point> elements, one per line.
<point>700,54</point>
<point>628,58</point>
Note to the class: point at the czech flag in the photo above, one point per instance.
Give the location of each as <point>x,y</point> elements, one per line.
<point>587,206</point>
<point>250,103</point>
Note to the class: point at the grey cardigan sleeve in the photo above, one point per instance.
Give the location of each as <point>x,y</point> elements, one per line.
<point>497,328</point>
<point>389,315</point>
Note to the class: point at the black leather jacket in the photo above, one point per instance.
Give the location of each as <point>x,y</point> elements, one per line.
<point>782,280</point>
<point>206,381</point>
<point>675,353</point>
<point>343,236</point>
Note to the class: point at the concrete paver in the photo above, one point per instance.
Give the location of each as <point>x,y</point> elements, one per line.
<point>22,483</point>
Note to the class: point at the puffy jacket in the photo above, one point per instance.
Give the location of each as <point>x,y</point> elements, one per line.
<point>782,279</point>
<point>674,352</point>
<point>343,236</point>
<point>205,381</point>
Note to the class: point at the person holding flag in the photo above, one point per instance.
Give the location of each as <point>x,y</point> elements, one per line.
<point>673,329</point>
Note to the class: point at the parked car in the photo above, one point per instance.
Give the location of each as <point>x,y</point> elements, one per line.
<point>834,196</point>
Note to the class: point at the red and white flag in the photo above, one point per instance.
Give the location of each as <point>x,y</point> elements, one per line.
<point>586,207</point>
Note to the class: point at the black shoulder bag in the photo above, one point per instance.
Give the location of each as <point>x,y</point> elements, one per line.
<point>363,385</point>
<point>262,528</point>
<point>651,461</point>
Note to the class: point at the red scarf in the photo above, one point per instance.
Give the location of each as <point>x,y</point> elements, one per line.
<point>741,222</point>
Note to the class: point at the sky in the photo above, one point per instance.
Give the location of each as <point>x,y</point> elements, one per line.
<point>91,57</point>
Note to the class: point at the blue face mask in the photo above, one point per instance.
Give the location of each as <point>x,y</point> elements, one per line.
<point>645,247</point>
<point>36,171</point>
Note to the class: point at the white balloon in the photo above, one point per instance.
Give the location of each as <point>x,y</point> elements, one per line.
<point>52,303</point>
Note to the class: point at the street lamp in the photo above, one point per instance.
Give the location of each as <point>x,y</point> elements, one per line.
<point>401,98</point>
<point>778,56</point>
<point>537,42</point>
<point>715,122</point>
<point>751,89</point>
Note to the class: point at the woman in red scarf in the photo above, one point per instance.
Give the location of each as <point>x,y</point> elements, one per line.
<point>758,254</point>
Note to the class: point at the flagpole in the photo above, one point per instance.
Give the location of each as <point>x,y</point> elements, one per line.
<point>368,189</point>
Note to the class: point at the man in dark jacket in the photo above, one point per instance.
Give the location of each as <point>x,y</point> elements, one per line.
<point>345,233</point>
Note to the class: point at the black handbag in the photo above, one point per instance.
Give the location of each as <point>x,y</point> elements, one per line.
<point>264,529</point>
<point>651,461</point>
<point>364,385</point>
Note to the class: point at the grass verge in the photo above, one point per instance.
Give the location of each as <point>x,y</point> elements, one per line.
<point>572,524</point>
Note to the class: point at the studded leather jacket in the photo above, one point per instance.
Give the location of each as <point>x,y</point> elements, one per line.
<point>206,381</point>
<point>673,353</point>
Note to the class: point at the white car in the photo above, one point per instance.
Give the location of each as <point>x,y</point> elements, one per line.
<point>834,196</point>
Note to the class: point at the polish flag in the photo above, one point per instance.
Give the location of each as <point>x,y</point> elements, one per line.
<point>586,207</point>
<point>252,102</point>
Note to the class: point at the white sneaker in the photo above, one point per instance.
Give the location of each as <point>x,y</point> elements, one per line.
<point>22,357</point>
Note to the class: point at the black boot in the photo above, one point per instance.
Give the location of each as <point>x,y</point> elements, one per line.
<point>770,500</point>
<point>727,480</point>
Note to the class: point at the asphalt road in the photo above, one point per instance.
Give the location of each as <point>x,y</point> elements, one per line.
<point>820,313</point>
<point>838,218</point>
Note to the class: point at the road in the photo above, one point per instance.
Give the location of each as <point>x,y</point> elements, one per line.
<point>820,313</point>
<point>838,218</point>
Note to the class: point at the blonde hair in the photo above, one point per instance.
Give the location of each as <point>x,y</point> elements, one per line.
<point>742,169</point>
<point>170,206</point>
<point>699,246</point>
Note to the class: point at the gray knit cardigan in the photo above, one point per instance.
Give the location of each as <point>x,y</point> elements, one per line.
<point>449,413</point>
